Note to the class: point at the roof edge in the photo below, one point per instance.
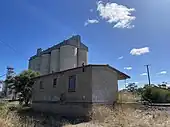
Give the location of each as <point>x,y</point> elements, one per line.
<point>98,65</point>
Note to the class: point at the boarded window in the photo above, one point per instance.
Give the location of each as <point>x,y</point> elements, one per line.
<point>54,83</point>
<point>41,85</point>
<point>72,83</point>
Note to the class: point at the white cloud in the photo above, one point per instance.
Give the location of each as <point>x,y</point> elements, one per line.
<point>91,21</point>
<point>121,57</point>
<point>162,72</point>
<point>118,15</point>
<point>139,51</point>
<point>128,68</point>
<point>144,74</point>
<point>136,82</point>
<point>91,10</point>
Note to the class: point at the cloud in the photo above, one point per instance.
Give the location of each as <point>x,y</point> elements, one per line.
<point>139,51</point>
<point>162,73</point>
<point>128,68</point>
<point>118,15</point>
<point>144,74</point>
<point>91,21</point>
<point>136,82</point>
<point>91,10</point>
<point>121,57</point>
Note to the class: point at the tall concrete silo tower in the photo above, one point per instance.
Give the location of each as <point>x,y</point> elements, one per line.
<point>55,60</point>
<point>68,54</point>
<point>45,64</point>
<point>35,61</point>
<point>73,53</point>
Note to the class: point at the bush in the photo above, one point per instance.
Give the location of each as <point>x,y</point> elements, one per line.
<point>155,94</point>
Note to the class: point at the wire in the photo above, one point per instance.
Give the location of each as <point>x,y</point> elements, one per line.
<point>11,47</point>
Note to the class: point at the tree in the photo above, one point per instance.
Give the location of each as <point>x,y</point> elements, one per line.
<point>22,84</point>
<point>156,94</point>
<point>132,87</point>
<point>163,85</point>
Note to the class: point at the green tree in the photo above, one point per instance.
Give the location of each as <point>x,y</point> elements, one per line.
<point>132,87</point>
<point>22,84</point>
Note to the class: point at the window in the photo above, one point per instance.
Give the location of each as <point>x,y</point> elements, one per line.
<point>54,82</point>
<point>72,83</point>
<point>41,85</point>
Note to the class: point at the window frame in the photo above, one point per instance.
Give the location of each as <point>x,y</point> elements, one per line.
<point>74,78</point>
<point>55,82</point>
<point>41,87</point>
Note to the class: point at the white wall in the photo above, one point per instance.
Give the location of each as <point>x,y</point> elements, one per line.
<point>55,60</point>
<point>68,57</point>
<point>82,57</point>
<point>104,85</point>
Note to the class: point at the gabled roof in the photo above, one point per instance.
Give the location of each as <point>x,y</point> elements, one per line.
<point>121,75</point>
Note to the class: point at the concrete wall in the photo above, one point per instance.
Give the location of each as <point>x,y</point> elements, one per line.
<point>104,85</point>
<point>55,61</point>
<point>68,109</point>
<point>37,62</point>
<point>45,64</point>
<point>70,53</point>
<point>82,57</point>
<point>51,96</point>
<point>68,57</point>
<point>34,64</point>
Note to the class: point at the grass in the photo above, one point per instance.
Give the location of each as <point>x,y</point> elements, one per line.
<point>121,115</point>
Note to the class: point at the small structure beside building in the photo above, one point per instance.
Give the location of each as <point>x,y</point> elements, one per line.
<point>73,91</point>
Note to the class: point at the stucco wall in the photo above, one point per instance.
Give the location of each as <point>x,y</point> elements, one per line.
<point>83,87</point>
<point>104,85</point>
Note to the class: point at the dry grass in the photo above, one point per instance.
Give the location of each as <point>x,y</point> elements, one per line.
<point>124,97</point>
<point>126,116</point>
<point>122,115</point>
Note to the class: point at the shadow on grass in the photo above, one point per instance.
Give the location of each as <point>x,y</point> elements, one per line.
<point>30,117</point>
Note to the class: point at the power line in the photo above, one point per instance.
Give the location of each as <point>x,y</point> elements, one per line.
<point>148,73</point>
<point>14,50</point>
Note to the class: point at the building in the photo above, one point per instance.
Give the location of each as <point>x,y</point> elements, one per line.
<point>68,54</point>
<point>73,91</point>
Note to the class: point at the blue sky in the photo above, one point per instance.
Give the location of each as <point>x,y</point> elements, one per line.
<point>137,32</point>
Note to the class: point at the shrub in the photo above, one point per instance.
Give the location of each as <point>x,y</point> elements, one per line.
<point>155,94</point>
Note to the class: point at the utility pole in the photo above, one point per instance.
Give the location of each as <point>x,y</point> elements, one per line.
<point>148,73</point>
<point>125,84</point>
